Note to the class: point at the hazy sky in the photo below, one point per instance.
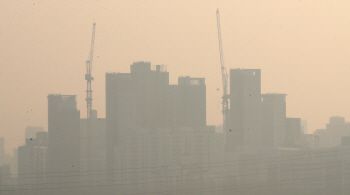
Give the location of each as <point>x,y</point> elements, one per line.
<point>302,48</point>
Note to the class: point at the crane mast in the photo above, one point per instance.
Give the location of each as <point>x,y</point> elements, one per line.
<point>88,76</point>
<point>88,79</point>
<point>224,77</point>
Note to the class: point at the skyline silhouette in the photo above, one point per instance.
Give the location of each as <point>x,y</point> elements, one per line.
<point>173,100</point>
<point>155,137</point>
<point>264,35</point>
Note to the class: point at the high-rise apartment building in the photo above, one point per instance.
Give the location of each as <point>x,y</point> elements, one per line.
<point>188,103</point>
<point>64,138</point>
<point>143,100</point>
<point>135,100</point>
<point>245,109</point>
<point>273,130</point>
<point>32,159</point>
<point>151,88</point>
<point>98,145</point>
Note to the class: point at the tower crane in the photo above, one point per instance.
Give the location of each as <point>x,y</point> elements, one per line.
<point>224,74</point>
<point>88,76</point>
<point>88,79</point>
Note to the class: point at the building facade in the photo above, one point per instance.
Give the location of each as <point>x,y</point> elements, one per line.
<point>245,110</point>
<point>273,126</point>
<point>144,100</point>
<point>64,139</point>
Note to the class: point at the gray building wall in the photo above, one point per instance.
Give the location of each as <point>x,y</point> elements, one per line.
<point>138,99</point>
<point>2,151</point>
<point>189,103</point>
<point>245,109</point>
<point>64,138</point>
<point>273,132</point>
<point>98,144</point>
<point>144,100</point>
<point>32,160</point>
<point>293,132</point>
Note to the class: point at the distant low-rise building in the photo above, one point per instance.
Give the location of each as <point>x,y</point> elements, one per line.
<point>293,132</point>
<point>30,132</point>
<point>332,135</point>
